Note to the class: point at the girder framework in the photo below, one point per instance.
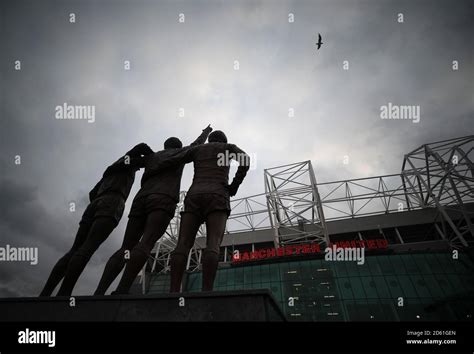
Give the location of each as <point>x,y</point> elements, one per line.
<point>441,175</point>
<point>293,201</point>
<point>364,197</point>
<point>438,175</point>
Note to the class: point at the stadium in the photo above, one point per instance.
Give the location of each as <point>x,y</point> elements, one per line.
<point>415,227</point>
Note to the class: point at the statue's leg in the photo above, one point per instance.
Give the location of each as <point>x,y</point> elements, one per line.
<point>156,224</point>
<point>98,233</point>
<point>59,270</point>
<point>115,264</point>
<point>215,226</point>
<point>189,227</point>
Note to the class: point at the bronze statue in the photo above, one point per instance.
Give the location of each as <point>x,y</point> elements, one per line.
<point>152,209</point>
<point>206,201</point>
<point>102,215</point>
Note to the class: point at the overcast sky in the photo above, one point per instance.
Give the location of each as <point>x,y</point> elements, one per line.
<point>190,65</point>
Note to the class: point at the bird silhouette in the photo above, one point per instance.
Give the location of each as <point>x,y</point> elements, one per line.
<point>319,41</point>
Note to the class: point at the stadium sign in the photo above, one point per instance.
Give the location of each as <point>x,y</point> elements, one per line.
<point>304,249</point>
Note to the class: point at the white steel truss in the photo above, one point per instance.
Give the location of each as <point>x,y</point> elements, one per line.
<point>441,175</point>
<point>438,175</point>
<point>293,200</point>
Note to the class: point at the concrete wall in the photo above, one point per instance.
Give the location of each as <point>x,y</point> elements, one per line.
<point>245,305</point>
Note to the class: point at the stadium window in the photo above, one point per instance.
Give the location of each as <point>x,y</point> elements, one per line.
<point>446,261</point>
<point>422,263</point>
<point>239,275</point>
<point>345,288</point>
<point>375,266</point>
<point>457,282</point>
<point>369,287</point>
<point>340,269</point>
<point>407,286</point>
<point>394,287</point>
<point>410,264</point>
<point>398,264</point>
<point>468,281</point>
<point>274,272</point>
<point>265,272</point>
<point>433,285</point>
<point>256,276</point>
<point>357,288</point>
<point>248,275</point>
<point>385,265</point>
<point>382,288</point>
<point>434,264</point>
<point>352,268</point>
<point>420,286</point>
<point>230,276</point>
<point>364,269</point>
<point>461,265</point>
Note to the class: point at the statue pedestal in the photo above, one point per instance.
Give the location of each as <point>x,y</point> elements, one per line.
<point>243,305</point>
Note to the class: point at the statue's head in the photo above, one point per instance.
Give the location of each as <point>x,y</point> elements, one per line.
<point>173,143</point>
<point>217,136</point>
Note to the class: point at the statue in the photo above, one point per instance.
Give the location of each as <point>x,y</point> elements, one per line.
<point>208,200</point>
<point>102,215</point>
<point>152,210</point>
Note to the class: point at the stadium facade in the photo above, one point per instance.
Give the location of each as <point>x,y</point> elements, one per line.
<point>416,229</point>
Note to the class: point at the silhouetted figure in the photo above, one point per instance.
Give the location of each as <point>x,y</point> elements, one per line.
<point>207,201</point>
<point>102,215</point>
<point>152,210</point>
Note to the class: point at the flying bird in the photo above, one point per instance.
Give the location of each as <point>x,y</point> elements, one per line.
<point>319,41</point>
